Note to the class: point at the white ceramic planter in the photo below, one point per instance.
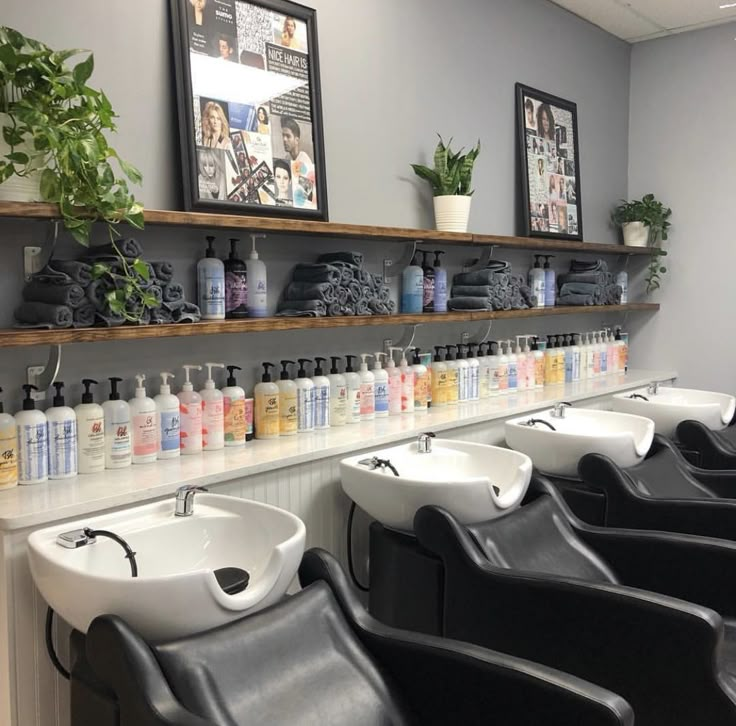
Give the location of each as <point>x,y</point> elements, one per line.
<point>18,189</point>
<point>636,234</point>
<point>451,213</point>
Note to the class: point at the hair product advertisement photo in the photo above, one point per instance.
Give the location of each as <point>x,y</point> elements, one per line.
<point>356,365</point>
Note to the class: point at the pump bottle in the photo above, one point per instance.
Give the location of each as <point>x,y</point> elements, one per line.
<point>236,284</point>
<point>213,412</point>
<point>352,379</point>
<point>503,370</point>
<point>144,418</point>
<point>520,365</point>
<point>513,367</point>
<point>569,359</point>
<point>190,410</point>
<point>367,390</point>
<point>288,423</point>
<point>257,283</point>
<point>63,440</point>
<point>536,281</point>
<point>233,402</point>
<point>304,399</point>
<point>8,450</point>
<point>421,383</point>
<point>412,287</point>
<point>463,375</point>
<point>407,384</point>
<point>484,369</point>
<point>550,284</point>
<point>33,441</point>
<point>494,361</point>
<point>267,413</point>
<point>590,356</point>
<point>394,384</point>
<point>118,446</point>
<point>211,284</point>
<point>428,285</point>
<point>169,420</point>
<point>338,394</point>
<point>439,379</point>
<point>321,395</point>
<point>473,374</point>
<point>90,432</point>
<point>380,386</point>
<point>440,284</point>
<point>575,357</point>
<point>453,376</point>
<point>623,351</point>
<point>538,357</point>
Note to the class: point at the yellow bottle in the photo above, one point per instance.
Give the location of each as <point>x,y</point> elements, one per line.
<point>287,401</point>
<point>451,392</point>
<point>550,364</point>
<point>8,450</point>
<point>267,406</point>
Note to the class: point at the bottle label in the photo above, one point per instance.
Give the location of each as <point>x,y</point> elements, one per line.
<point>367,399</point>
<point>288,421</point>
<point>353,407</point>
<point>170,431</point>
<point>62,448</point>
<point>33,461</point>
<point>236,291</point>
<point>338,405</point>
<point>267,416</point>
<point>8,456</point>
<point>212,293</point>
<point>380,392</point>
<point>305,409</point>
<point>322,407</point>
<point>452,386</point>
<point>234,420</point>
<point>190,426</point>
<point>119,443</point>
<point>428,299</point>
<point>421,392</point>
<point>145,435</point>
<point>439,387</point>
<point>213,419</point>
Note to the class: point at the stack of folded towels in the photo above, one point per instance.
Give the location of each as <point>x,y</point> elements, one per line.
<point>64,295</point>
<point>335,285</point>
<point>588,283</point>
<point>492,288</point>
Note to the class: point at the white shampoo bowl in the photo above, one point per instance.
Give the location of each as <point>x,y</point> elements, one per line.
<point>624,438</point>
<point>459,477</point>
<point>176,592</point>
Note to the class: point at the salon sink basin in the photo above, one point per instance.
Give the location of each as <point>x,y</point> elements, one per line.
<point>176,591</point>
<point>669,406</point>
<point>474,482</point>
<point>556,445</point>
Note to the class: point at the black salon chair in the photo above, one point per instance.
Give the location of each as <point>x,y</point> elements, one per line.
<point>641,613</point>
<point>716,449</point>
<point>318,659</point>
<point>663,492</point>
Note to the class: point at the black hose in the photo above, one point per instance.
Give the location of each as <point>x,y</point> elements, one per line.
<point>351,567</point>
<point>129,555</point>
<point>533,421</point>
<point>638,395</point>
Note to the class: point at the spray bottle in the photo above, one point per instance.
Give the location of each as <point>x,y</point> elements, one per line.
<point>144,418</point>
<point>321,395</point>
<point>267,408</point>
<point>338,394</point>
<point>169,420</point>
<point>304,399</point>
<point>233,400</point>
<point>62,437</point>
<point>8,450</point>
<point>213,412</point>
<point>190,418</point>
<point>288,416</point>
<point>352,379</point>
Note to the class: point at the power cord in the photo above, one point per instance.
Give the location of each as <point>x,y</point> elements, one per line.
<point>129,555</point>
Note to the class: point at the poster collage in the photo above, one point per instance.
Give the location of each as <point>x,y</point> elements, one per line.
<point>252,110</point>
<point>550,154</point>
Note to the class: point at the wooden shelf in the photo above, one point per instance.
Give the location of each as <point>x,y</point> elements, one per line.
<point>17,338</point>
<point>335,229</point>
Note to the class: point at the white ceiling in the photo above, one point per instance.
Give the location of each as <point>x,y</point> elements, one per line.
<point>637,20</point>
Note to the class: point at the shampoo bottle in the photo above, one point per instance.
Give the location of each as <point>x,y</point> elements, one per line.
<point>267,419</point>
<point>233,401</point>
<point>463,375</point>
<point>453,377</point>
<point>257,283</point>
<point>538,356</point>
<point>211,284</point>
<point>380,386</point>
<point>428,285</point>
<point>503,369</point>
<point>33,441</point>
<point>190,410</point>
<point>91,432</point>
<point>521,373</point>
<point>144,418</point>
<point>494,362</point>
<point>473,374</point>
<point>8,450</point>
<point>367,390</point>
<point>576,355</point>
<point>213,413</point>
<point>352,379</point>
<point>236,284</point>
<point>288,421</point>
<point>412,288</point>
<point>338,394</point>
<point>304,399</point>
<point>394,384</point>
<point>536,281</point>
<point>623,351</point>
<point>622,280</point>
<point>169,420</point>
<point>407,384</point>
<point>321,395</point>
<point>118,445</point>
<point>439,379</point>
<point>440,284</point>
<point>421,383</point>
<point>62,437</point>
<point>569,359</point>
<point>550,284</point>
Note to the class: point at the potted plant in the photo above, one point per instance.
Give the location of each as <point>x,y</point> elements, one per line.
<point>643,221</point>
<point>450,181</point>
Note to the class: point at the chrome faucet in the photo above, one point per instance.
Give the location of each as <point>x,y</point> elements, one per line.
<point>558,410</point>
<point>653,388</point>
<point>185,499</point>
<point>424,443</point>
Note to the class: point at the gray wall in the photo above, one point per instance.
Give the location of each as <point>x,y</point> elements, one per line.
<point>393,74</point>
<point>681,149</point>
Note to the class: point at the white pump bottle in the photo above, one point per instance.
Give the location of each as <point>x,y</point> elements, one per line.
<point>144,418</point>
<point>169,420</point>
<point>394,384</point>
<point>213,412</point>
<point>367,390</point>
<point>190,410</point>
<point>380,386</point>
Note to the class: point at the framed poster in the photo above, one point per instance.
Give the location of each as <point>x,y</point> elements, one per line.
<point>550,165</point>
<point>250,115</point>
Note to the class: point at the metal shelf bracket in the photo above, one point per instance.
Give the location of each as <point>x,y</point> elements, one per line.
<point>478,263</point>
<point>401,263</point>
<point>43,377</point>
<point>36,258</point>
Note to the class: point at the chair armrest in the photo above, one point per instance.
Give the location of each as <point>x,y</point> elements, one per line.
<point>607,634</point>
<point>444,681</point>
<point>125,663</point>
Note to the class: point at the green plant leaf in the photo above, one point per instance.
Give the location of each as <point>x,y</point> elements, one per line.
<point>82,71</point>
<point>142,269</point>
<point>18,157</point>
<point>49,186</point>
<point>130,171</point>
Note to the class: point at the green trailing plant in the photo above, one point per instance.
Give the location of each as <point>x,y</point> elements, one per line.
<point>647,210</point>
<point>655,270</point>
<point>453,171</point>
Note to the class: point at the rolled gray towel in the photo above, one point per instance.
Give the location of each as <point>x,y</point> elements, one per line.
<point>163,271</point>
<point>143,317</point>
<point>317,273</point>
<point>318,306</point>
<point>96,292</point>
<point>347,272</point>
<point>384,294</point>
<point>109,319</point>
<point>71,294</point>
<point>341,295</point>
<point>391,306</point>
<point>157,292</point>
<point>363,277</point>
<point>334,310</point>
<point>362,308</point>
<point>161,316</point>
<point>613,294</point>
<point>348,309</point>
<point>469,303</point>
<point>80,272</point>
<point>310,291</point>
<point>172,292</point>
<point>367,292</point>
<point>575,299</point>
<point>186,312</point>
<point>378,308</point>
<point>84,315</point>
<point>127,247</point>
<point>39,313</point>
<point>350,258</point>
<point>148,280</point>
<point>354,292</point>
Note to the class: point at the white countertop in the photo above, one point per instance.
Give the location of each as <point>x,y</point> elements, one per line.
<point>29,506</point>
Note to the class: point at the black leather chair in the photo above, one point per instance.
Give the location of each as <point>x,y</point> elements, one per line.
<point>318,659</point>
<point>717,449</point>
<point>663,492</point>
<point>641,613</point>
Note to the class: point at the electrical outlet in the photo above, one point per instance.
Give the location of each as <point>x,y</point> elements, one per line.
<point>387,276</point>
<point>465,338</point>
<point>33,374</point>
<point>32,262</point>
<point>387,343</point>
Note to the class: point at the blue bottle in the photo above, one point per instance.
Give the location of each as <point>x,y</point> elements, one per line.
<point>412,288</point>
<point>440,284</point>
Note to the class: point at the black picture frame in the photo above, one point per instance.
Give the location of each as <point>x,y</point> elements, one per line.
<point>243,67</point>
<point>550,178</point>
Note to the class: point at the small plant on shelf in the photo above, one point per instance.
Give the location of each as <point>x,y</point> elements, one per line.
<point>646,218</point>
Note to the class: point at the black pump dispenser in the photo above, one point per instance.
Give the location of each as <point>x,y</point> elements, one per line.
<point>450,355</point>
<point>547,259</point>
<point>2,408</point>
<point>460,351</point>
<point>537,263</point>
<point>437,260</point>
<point>87,396</point>
<point>231,377</point>
<point>266,377</point>
<point>210,247</point>
<point>302,373</point>
<point>349,365</point>
<point>437,356</point>
<point>28,403</point>
<point>471,350</point>
<point>415,361</point>
<point>114,395</point>
<point>535,344</point>
<point>318,371</point>
<point>284,373</point>
<point>334,370</point>
<point>59,397</point>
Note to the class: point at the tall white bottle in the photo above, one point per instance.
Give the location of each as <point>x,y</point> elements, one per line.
<point>421,383</point>
<point>473,374</point>
<point>8,450</point>
<point>144,417</point>
<point>233,399</point>
<point>211,284</point>
<point>394,384</point>
<point>267,406</point>
<point>91,432</point>
<point>169,420</point>
<point>407,384</point>
<point>338,394</point>
<point>380,386</point>
<point>190,419</point>
<point>257,283</point>
<point>213,412</point>
<point>453,378</point>
<point>62,437</point>
<point>304,399</point>
<point>118,443</point>
<point>367,390</point>
<point>321,395</point>
<point>33,441</point>
<point>288,407</point>
<point>352,379</point>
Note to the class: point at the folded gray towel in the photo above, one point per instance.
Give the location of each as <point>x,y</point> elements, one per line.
<point>108,319</point>
<point>575,299</point>
<point>173,292</point>
<point>161,316</point>
<point>351,258</point>
<point>79,272</point>
<point>318,306</point>
<point>163,271</point>
<point>84,315</point>
<point>39,313</point>
<point>588,266</point>
<point>298,314</point>
<point>469,303</point>
<point>362,308</point>
<point>70,294</point>
<point>310,291</point>
<point>587,278</point>
<point>597,292</point>
<point>183,311</point>
<point>481,277</point>
<point>127,247</point>
<point>473,290</point>
<point>317,273</point>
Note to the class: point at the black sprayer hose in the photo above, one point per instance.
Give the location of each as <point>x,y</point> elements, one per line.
<point>129,555</point>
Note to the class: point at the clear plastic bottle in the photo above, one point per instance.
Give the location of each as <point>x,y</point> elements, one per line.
<point>213,412</point>
<point>190,415</point>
